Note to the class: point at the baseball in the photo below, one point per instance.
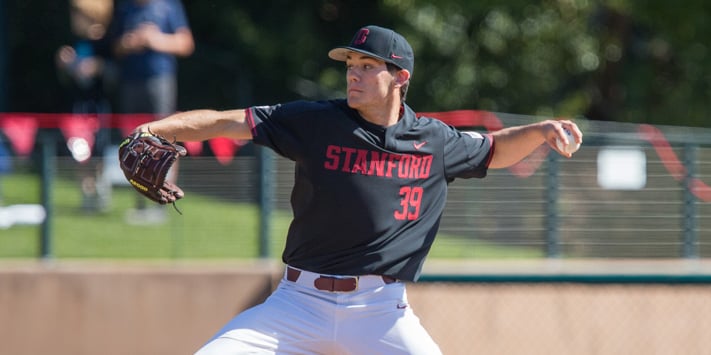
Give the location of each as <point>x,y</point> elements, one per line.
<point>572,146</point>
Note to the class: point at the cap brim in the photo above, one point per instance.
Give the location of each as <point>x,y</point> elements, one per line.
<point>341,54</point>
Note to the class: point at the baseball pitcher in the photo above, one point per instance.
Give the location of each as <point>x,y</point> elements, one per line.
<point>370,187</point>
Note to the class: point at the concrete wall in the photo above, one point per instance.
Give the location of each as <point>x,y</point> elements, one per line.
<point>104,309</point>
<point>120,310</point>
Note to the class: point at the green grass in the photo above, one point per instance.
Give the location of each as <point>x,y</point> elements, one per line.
<point>208,229</point>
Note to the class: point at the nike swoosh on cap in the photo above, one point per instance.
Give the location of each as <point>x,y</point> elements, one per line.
<point>394,56</point>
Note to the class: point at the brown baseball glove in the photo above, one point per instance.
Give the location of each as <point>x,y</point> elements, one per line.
<point>145,159</point>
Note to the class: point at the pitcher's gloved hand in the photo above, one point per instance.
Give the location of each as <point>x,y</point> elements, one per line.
<point>145,159</point>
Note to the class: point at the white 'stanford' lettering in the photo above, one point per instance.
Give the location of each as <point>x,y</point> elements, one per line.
<point>375,163</point>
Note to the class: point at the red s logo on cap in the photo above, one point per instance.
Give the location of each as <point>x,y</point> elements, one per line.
<point>362,36</point>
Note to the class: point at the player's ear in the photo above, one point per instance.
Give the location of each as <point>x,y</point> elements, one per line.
<point>402,76</point>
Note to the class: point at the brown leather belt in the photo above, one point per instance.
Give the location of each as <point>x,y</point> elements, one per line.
<point>333,283</point>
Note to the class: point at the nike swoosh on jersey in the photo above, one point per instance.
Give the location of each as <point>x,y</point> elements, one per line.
<point>419,145</point>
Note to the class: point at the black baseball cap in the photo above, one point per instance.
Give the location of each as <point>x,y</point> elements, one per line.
<point>381,43</point>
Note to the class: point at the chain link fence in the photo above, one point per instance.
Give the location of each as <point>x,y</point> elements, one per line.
<point>632,191</point>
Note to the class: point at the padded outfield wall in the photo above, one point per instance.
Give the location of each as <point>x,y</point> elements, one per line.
<point>103,308</point>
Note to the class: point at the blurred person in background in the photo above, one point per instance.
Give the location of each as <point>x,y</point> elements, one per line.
<point>85,71</point>
<point>147,38</point>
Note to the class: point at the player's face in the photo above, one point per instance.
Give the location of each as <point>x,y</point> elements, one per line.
<point>370,84</point>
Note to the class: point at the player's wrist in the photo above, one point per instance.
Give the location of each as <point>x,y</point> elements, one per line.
<point>144,128</point>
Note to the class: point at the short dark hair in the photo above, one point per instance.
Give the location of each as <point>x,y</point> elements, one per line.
<point>403,90</point>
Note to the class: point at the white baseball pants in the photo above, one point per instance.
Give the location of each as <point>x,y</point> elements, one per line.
<point>299,319</point>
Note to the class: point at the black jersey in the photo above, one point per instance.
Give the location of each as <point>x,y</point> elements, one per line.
<point>366,199</point>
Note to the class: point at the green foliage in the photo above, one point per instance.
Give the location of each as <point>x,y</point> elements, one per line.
<point>503,56</point>
<point>615,60</point>
<point>83,234</point>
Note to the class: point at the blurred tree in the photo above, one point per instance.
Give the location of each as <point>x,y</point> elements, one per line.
<point>618,60</point>
<point>514,56</point>
<point>608,60</point>
<point>267,52</point>
<point>657,62</point>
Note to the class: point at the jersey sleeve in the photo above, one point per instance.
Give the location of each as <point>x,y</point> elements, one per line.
<point>467,154</point>
<point>284,128</point>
